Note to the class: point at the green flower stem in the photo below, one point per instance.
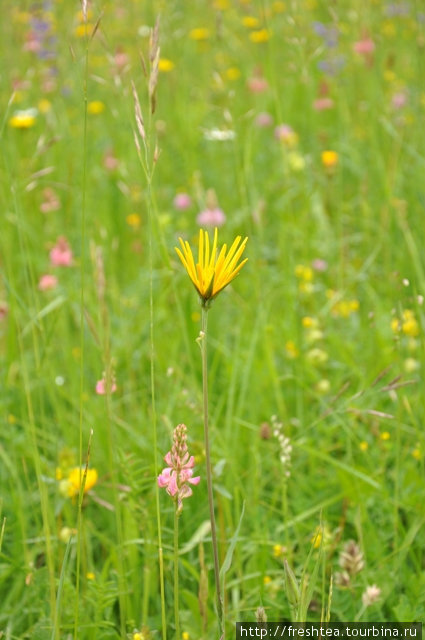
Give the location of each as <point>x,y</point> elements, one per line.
<point>176,573</point>
<point>203,342</point>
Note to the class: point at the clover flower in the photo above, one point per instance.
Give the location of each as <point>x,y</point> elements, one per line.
<point>212,273</point>
<point>178,475</point>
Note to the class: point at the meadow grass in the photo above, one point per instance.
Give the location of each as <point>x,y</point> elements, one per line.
<point>301,122</point>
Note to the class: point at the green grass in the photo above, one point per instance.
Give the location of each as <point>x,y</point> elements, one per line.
<point>346,384</point>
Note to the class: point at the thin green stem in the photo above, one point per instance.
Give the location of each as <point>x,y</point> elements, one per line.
<point>82,323</point>
<point>149,173</point>
<point>176,573</point>
<point>209,472</point>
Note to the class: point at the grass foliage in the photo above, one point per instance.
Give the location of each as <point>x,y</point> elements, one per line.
<point>320,338</point>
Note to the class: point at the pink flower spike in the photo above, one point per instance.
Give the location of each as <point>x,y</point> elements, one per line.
<point>61,254</point>
<point>47,282</point>
<point>178,475</point>
<point>102,388</point>
<point>211,218</point>
<point>182,201</point>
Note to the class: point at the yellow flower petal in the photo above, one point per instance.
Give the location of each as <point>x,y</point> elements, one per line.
<point>211,273</point>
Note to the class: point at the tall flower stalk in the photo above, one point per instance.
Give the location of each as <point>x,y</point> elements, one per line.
<point>176,479</point>
<point>213,271</point>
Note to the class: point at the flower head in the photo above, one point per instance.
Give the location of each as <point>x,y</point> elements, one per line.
<point>61,253</point>
<point>178,475</point>
<point>212,273</point>
<point>75,480</point>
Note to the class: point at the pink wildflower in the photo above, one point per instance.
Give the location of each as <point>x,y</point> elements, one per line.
<point>399,100</point>
<point>47,282</point>
<point>257,84</point>
<point>51,201</point>
<point>263,120</point>
<point>323,103</point>
<point>182,201</point>
<point>102,387</point>
<point>364,47</point>
<point>214,217</point>
<point>61,254</point>
<point>178,475</point>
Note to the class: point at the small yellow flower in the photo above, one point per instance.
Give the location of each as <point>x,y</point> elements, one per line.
<point>95,107</point>
<point>385,435</point>
<point>250,22</point>
<point>323,386</point>
<point>83,30</point>
<point>221,5</point>
<point>262,35</point>
<point>65,534</point>
<point>388,29</point>
<point>363,446</point>
<point>291,349</point>
<point>416,453</point>
<point>44,105</point>
<point>185,635</point>
<point>23,119</point>
<point>90,575</point>
<point>410,327</point>
<point>75,479</point>
<point>304,273</point>
<point>212,273</point>
<point>11,418</point>
<point>267,580</point>
<point>199,33</point>
<point>133,220</point>
<point>411,365</point>
<point>278,550</point>
<point>309,323</point>
<point>395,325</point>
<point>329,159</point>
<point>296,161</point>
<point>233,73</point>
<point>165,65</point>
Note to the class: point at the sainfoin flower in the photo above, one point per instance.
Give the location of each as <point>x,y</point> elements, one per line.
<point>61,253</point>
<point>179,474</point>
<point>212,273</point>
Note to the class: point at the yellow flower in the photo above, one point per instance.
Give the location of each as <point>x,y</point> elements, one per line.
<point>90,575</point>
<point>262,35</point>
<point>364,446</point>
<point>250,22</point>
<point>75,479</point>
<point>165,65</point>
<point>133,220</point>
<point>23,119</point>
<point>95,107</point>
<point>211,273</point>
<point>278,550</point>
<point>267,580</point>
<point>310,323</point>
<point>185,635</point>
<point>385,435</point>
<point>410,326</point>
<point>291,349</point>
<point>233,73</point>
<point>84,29</point>
<point>304,273</point>
<point>199,33</point>
<point>44,105</point>
<point>329,159</point>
